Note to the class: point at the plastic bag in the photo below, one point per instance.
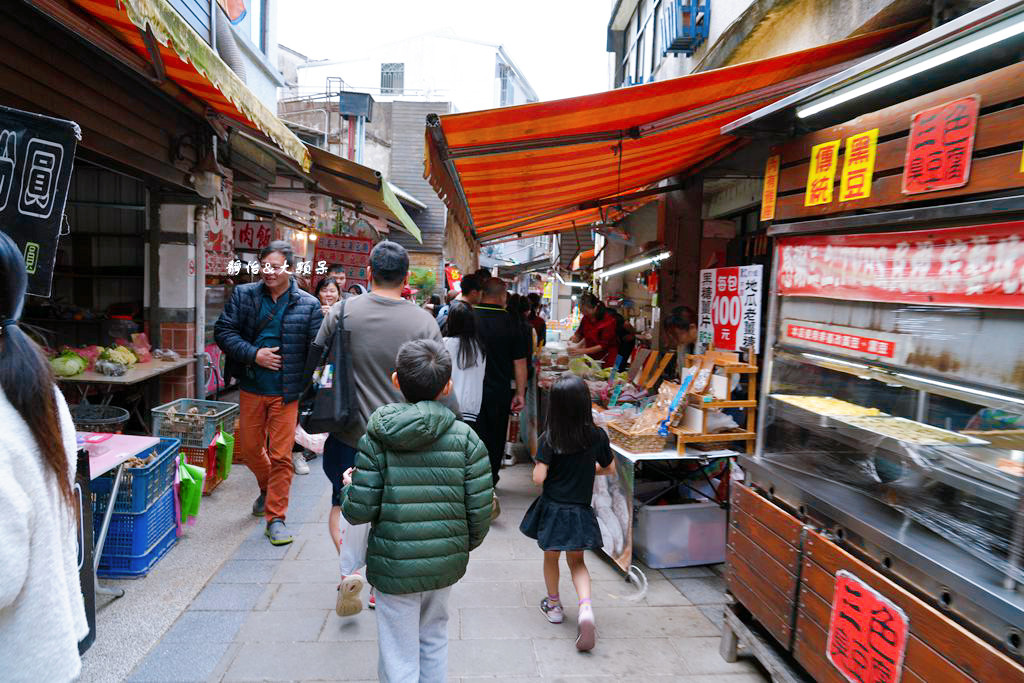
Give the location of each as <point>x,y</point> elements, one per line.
<point>225,453</point>
<point>354,538</point>
<point>311,442</point>
<point>191,489</point>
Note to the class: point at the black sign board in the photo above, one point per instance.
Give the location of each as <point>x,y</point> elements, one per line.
<point>36,156</point>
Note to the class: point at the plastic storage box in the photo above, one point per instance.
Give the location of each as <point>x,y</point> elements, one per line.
<point>680,535</point>
<point>140,486</point>
<point>196,430</point>
<point>135,541</point>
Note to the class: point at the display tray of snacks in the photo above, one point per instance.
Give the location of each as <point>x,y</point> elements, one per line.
<point>826,405</point>
<point>909,431</point>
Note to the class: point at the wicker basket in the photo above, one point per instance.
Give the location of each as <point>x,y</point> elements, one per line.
<point>96,418</point>
<point>637,443</point>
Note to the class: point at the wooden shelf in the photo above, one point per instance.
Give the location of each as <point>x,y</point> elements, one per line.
<point>722,404</point>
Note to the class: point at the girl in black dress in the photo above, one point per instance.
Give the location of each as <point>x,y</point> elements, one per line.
<point>569,454</point>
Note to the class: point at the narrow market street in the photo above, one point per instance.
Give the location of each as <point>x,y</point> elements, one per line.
<point>266,613</point>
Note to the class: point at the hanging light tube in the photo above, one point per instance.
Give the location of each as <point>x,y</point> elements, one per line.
<point>633,265</point>
<point>570,283</point>
<point>995,35</point>
<point>960,387</point>
<point>829,359</point>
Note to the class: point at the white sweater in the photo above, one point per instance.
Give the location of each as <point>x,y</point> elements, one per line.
<point>468,384</point>
<point>42,616</point>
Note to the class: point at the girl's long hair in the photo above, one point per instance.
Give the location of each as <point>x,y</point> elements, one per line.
<point>461,323</point>
<point>570,423</point>
<point>25,375</point>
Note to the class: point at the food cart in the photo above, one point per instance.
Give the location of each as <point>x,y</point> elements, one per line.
<point>879,532</point>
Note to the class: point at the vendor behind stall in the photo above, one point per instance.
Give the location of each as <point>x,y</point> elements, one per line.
<point>680,333</point>
<point>597,335</point>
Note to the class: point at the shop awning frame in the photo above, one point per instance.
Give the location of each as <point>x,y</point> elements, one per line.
<point>154,30</point>
<point>516,170</point>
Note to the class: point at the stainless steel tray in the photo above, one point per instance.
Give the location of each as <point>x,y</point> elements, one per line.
<point>863,423</point>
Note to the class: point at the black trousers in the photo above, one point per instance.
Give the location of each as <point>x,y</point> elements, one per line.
<point>492,426</point>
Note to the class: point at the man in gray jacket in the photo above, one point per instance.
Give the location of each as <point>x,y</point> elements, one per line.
<point>379,322</point>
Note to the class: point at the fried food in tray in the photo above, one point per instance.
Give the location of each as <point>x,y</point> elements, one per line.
<point>826,405</point>
<point>909,431</point>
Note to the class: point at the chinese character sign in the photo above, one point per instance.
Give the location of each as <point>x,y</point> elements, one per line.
<point>705,328</point>
<point>36,157</point>
<point>729,314</point>
<point>253,235</point>
<point>858,166</point>
<point>351,252</point>
<point>771,188</point>
<point>821,173</point>
<point>939,146</point>
<point>981,265</point>
<point>867,633</point>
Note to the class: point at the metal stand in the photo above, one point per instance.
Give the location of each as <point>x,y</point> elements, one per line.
<point>101,540</point>
<point>736,634</point>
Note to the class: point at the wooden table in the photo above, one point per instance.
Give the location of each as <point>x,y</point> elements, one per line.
<point>137,374</point>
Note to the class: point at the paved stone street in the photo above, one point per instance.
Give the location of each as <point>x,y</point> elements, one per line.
<point>267,613</point>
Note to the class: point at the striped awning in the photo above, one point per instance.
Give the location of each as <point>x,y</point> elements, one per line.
<point>187,60</point>
<point>547,166</point>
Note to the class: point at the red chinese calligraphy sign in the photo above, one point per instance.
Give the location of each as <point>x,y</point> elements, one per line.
<point>852,342</point>
<point>867,633</point>
<point>940,145</point>
<point>980,265</point>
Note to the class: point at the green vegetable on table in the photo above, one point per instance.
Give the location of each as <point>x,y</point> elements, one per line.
<point>68,364</point>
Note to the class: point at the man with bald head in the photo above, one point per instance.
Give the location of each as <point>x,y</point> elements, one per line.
<point>505,374</point>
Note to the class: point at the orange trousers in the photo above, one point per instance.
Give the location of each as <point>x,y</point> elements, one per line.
<point>266,432</point>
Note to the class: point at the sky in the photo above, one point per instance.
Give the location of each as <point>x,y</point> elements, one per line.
<point>559,45</point>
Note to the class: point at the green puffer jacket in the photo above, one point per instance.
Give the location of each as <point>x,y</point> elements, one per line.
<point>423,480</point>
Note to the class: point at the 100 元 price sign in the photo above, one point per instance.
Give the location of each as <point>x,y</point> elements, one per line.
<point>730,309</point>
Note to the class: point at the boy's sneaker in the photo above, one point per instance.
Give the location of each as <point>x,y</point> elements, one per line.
<point>586,631</point>
<point>553,611</point>
<point>350,601</point>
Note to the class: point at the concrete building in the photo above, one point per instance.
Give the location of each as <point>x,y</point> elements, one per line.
<point>434,73</point>
<point>655,40</point>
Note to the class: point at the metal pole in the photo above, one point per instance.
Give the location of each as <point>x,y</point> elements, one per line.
<point>201,222</point>
<point>769,356</point>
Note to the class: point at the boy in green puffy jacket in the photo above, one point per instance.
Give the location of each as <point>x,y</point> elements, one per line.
<point>423,481</point>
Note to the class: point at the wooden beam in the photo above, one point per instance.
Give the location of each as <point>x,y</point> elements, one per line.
<point>153,47</point>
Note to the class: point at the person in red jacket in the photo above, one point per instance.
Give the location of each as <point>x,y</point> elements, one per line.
<point>596,336</point>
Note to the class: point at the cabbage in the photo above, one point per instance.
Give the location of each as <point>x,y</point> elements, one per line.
<point>579,367</point>
<point>68,364</point>
<point>119,354</point>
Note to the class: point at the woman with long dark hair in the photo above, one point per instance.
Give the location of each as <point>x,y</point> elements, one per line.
<point>596,336</point>
<point>469,360</point>
<point>42,616</point>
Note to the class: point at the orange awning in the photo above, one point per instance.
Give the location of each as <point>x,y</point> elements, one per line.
<point>538,167</point>
<point>156,32</point>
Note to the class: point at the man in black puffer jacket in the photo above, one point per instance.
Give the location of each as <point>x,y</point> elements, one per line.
<point>265,331</point>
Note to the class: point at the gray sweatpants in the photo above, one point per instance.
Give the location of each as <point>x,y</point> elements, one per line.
<point>412,632</point>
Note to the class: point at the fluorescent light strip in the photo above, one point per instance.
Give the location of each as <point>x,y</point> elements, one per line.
<point>960,387</point>
<point>635,264</point>
<point>829,359</point>
<point>570,283</point>
<point>914,69</point>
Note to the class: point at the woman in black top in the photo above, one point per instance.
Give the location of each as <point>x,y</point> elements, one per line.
<point>571,452</point>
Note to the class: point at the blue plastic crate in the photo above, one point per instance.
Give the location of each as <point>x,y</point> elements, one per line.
<point>134,533</point>
<point>140,486</point>
<point>115,567</point>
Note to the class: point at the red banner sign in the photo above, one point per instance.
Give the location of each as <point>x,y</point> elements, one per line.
<point>852,342</point>
<point>351,252</point>
<point>939,146</point>
<point>867,633</point>
<point>981,265</point>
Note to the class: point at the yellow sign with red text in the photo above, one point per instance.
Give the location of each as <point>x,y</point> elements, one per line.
<point>771,188</point>
<point>858,166</point>
<point>821,174</point>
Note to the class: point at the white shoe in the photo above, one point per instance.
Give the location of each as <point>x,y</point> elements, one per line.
<point>299,463</point>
